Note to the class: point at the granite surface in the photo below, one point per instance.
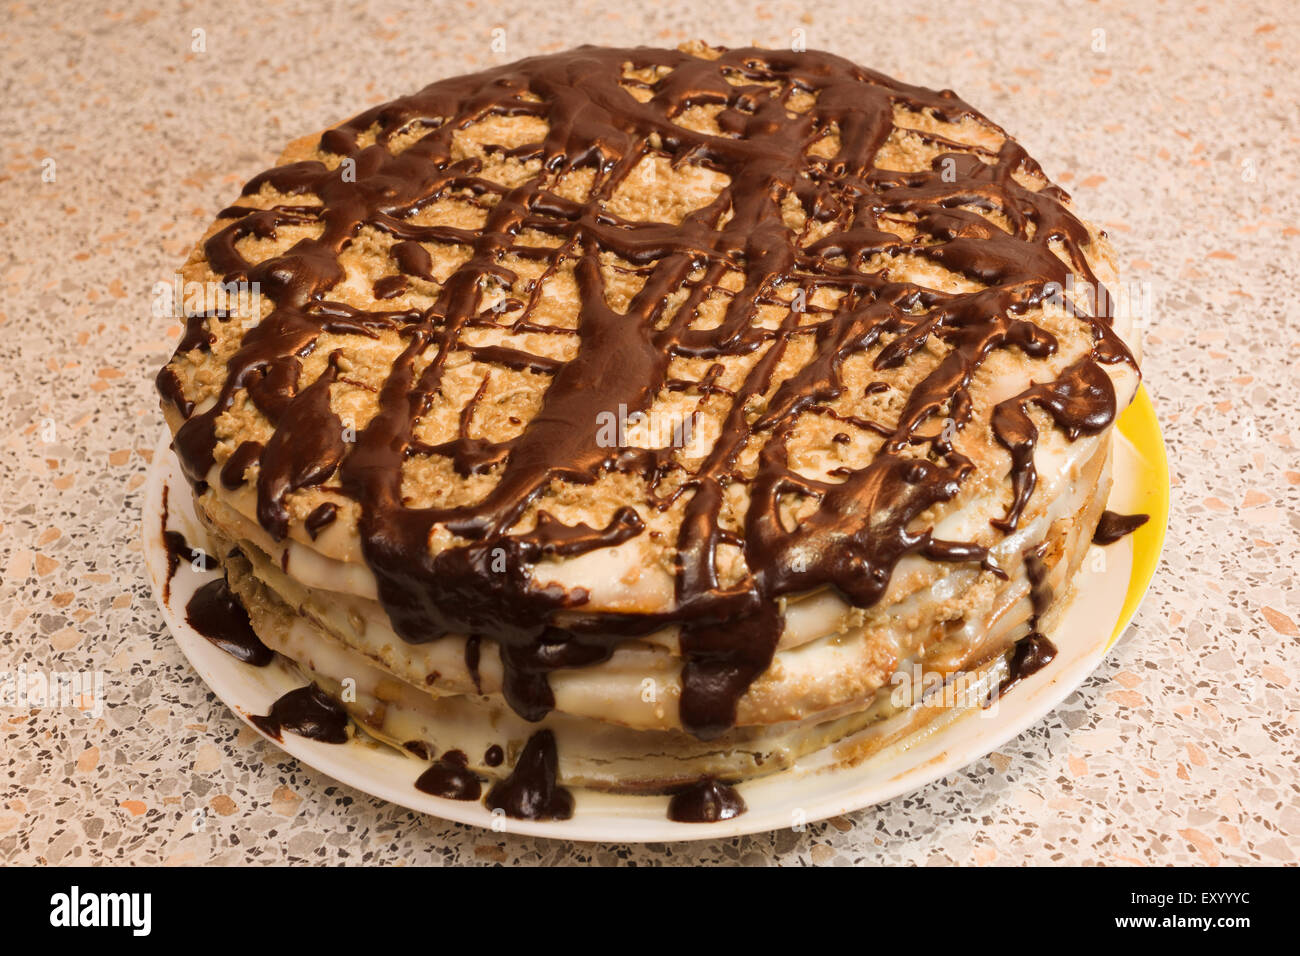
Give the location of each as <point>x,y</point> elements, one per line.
<point>125,129</point>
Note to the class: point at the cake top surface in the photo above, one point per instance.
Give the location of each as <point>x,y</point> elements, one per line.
<point>605,341</point>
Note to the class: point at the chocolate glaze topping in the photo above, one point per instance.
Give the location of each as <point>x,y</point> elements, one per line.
<point>321,518</point>
<point>706,801</point>
<point>530,792</point>
<point>232,472</point>
<point>1114,526</point>
<point>308,712</point>
<point>863,524</point>
<point>216,613</point>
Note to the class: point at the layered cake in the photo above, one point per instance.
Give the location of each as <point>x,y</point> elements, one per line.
<point>630,418</point>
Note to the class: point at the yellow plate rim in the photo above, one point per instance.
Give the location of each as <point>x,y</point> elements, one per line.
<point>1138,423</point>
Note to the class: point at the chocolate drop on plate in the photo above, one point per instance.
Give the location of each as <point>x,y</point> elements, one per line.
<point>308,712</point>
<point>531,792</point>
<point>215,612</point>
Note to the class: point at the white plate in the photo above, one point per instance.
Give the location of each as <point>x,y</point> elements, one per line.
<point>813,789</point>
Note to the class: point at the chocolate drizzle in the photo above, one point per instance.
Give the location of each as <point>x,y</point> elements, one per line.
<point>706,801</point>
<point>1040,593</point>
<point>169,387</point>
<point>1081,401</point>
<point>1030,654</point>
<point>308,712</point>
<point>321,518</point>
<point>531,791</point>
<point>232,472</point>
<point>862,526</point>
<point>472,649</point>
<point>176,548</point>
<point>1034,651</point>
<point>1114,526</point>
<point>216,613</point>
<point>175,545</point>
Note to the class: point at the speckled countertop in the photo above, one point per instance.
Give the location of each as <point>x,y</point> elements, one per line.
<point>1174,127</point>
